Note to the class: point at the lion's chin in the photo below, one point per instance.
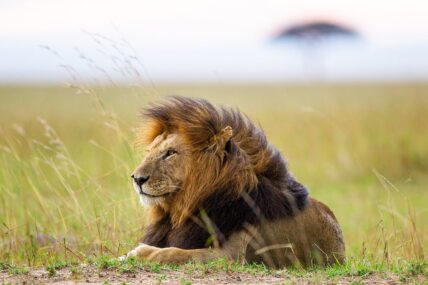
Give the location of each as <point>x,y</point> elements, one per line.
<point>149,201</point>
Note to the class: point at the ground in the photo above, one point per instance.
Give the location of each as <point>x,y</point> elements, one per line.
<point>91,275</point>
<point>200,274</point>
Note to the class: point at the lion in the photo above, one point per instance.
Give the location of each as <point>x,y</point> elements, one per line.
<point>215,187</point>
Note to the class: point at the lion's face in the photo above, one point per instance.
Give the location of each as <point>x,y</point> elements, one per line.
<point>160,175</point>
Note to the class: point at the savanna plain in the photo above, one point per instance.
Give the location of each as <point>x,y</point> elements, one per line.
<point>68,210</point>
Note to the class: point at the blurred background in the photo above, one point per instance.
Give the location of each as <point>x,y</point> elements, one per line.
<point>215,41</point>
<point>340,87</point>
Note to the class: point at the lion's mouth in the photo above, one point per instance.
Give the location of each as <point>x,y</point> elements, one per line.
<point>151,195</point>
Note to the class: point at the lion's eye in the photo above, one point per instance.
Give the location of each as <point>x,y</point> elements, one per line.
<point>170,153</point>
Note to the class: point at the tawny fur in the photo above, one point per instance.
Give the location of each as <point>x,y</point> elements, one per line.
<point>227,160</point>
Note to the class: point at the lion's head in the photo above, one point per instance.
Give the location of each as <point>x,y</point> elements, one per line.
<point>161,174</point>
<point>194,149</point>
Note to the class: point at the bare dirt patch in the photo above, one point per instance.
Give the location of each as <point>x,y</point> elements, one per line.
<point>94,275</point>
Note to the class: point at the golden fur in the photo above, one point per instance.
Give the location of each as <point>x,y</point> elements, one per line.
<point>204,162</point>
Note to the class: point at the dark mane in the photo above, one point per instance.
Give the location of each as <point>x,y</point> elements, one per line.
<point>235,182</point>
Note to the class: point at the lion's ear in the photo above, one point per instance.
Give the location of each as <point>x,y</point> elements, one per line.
<point>226,134</point>
<point>221,140</point>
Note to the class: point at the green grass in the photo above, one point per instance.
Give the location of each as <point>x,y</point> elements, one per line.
<point>65,160</point>
<point>362,269</point>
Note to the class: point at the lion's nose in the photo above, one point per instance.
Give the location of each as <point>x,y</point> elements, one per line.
<point>140,180</point>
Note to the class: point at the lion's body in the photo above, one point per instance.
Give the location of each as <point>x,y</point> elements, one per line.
<point>233,195</point>
<point>311,237</point>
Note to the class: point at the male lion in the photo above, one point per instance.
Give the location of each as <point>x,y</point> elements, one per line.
<point>215,187</point>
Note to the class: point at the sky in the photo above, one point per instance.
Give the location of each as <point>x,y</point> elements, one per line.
<point>209,41</point>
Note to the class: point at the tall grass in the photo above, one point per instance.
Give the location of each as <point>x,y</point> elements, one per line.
<point>66,156</point>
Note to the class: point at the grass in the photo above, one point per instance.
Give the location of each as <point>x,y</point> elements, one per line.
<point>65,160</point>
<point>361,269</point>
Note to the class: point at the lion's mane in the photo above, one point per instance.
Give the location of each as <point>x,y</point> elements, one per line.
<point>235,182</point>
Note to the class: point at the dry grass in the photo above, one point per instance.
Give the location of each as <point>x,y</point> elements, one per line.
<point>65,160</point>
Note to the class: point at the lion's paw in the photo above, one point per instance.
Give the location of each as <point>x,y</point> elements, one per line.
<point>135,252</point>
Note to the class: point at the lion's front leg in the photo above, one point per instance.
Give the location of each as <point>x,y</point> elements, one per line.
<point>172,254</point>
<point>142,251</point>
<point>180,256</point>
